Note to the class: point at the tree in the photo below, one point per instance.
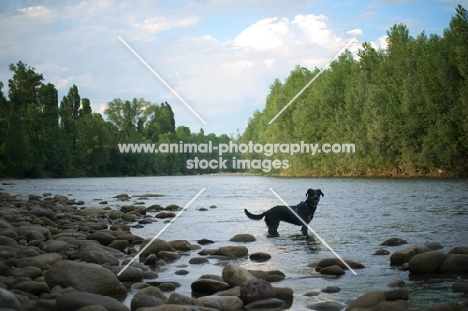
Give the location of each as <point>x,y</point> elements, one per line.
<point>16,149</point>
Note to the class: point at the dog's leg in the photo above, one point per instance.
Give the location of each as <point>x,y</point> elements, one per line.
<point>304,228</point>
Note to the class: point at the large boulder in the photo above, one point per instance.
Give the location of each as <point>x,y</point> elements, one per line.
<point>394,242</point>
<point>253,290</point>
<point>222,302</point>
<point>77,300</point>
<point>403,256</point>
<point>235,275</point>
<point>85,277</point>
<point>154,247</point>
<point>232,251</point>
<point>367,301</point>
<point>428,262</point>
<point>455,263</point>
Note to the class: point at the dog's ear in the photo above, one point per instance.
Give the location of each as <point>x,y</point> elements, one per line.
<point>308,192</point>
<point>321,193</point>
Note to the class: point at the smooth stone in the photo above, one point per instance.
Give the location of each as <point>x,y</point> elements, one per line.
<point>331,289</point>
<point>394,242</point>
<point>455,263</point>
<point>434,245</point>
<point>9,301</point>
<point>381,251</point>
<point>326,262</point>
<point>32,287</point>
<point>332,270</point>
<point>76,300</point>
<point>222,302</point>
<point>182,272</point>
<point>86,277</point>
<point>155,247</point>
<point>151,291</point>
<point>243,237</point>
<point>181,245</point>
<point>260,257</point>
<point>179,299</point>
<point>326,306</point>
<point>205,241</point>
<point>235,275</point>
<point>253,290</point>
<point>207,286</point>
<point>232,251</point>
<point>198,260</point>
<point>266,304</point>
<point>130,274</point>
<point>368,300</point>
<point>396,294</point>
<point>100,258</point>
<point>460,287</point>
<point>30,272</point>
<point>428,262</point>
<point>168,256</point>
<point>102,237</point>
<point>145,301</point>
<point>403,256</point>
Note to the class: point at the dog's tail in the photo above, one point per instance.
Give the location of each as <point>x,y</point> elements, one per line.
<point>254,216</point>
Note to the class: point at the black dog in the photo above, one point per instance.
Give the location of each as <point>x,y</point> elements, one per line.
<point>305,210</point>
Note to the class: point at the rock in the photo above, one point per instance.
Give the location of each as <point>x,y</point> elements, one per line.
<point>389,305</point>
<point>179,299</point>
<point>9,301</point>
<point>198,260</point>
<point>234,291</point>
<point>253,290</point>
<point>120,245</point>
<point>181,245</point>
<point>455,263</point>
<point>114,214</point>
<point>222,302</point>
<point>402,256</point>
<point>458,250</point>
<point>205,241</point>
<point>150,275</point>
<point>266,304</point>
<point>235,275</point>
<point>326,262</point>
<point>368,300</point>
<point>102,237</point>
<point>100,258</point>
<point>232,251</point>
<point>396,294</point>
<point>30,272</point>
<point>7,241</point>
<point>381,251</point>
<point>145,301</point>
<point>155,247</point>
<point>332,270</point>
<point>86,277</point>
<point>130,274</point>
<point>260,257</point>
<point>182,272</point>
<point>394,242</point>
<point>48,259</point>
<point>23,230</point>
<point>434,245</point>
<point>172,207</point>
<point>284,293</point>
<point>32,287</point>
<point>441,307</point>
<point>76,300</point>
<point>326,306</point>
<point>460,287</point>
<point>243,237</point>
<point>168,256</point>
<point>34,236</point>
<point>152,291</point>
<point>203,209</point>
<point>427,262</point>
<point>331,289</point>
<point>208,287</point>
<point>55,246</point>
<point>151,260</point>
<point>164,215</point>
<point>312,293</point>
<point>269,276</point>
<point>167,287</point>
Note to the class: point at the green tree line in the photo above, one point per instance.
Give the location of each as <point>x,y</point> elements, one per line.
<point>40,137</point>
<point>405,108</point>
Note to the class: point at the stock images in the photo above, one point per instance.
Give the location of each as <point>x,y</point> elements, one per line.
<point>222,155</point>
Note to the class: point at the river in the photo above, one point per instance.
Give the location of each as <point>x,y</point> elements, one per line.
<point>354,217</point>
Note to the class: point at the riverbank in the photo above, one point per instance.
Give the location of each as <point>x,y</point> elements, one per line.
<point>59,254</point>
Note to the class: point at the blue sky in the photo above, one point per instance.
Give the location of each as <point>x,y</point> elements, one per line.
<point>219,56</point>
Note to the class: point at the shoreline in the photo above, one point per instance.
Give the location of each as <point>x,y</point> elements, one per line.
<point>51,242</point>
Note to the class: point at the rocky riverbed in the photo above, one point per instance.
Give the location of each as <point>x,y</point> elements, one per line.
<point>58,254</point>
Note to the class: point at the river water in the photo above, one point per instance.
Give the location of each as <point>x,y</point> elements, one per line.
<point>354,217</point>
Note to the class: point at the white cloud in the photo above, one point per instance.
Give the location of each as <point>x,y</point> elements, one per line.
<point>158,24</point>
<point>381,43</point>
<point>355,32</point>
<point>237,65</point>
<point>315,30</point>
<point>265,34</point>
<point>35,11</point>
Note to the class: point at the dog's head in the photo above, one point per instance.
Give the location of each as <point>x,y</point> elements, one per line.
<point>313,196</point>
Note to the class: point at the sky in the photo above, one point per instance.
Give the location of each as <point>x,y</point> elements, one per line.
<point>219,56</point>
